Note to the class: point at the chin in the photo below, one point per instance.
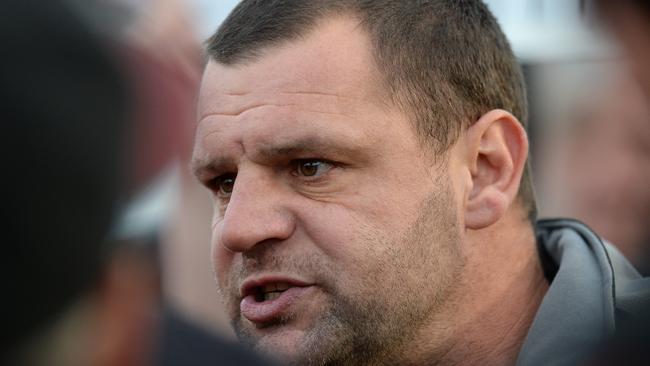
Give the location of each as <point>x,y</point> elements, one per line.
<point>296,342</point>
<point>285,345</point>
<point>309,333</point>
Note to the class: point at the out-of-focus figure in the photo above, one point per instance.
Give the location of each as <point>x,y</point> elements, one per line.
<point>595,152</point>
<point>70,297</point>
<point>630,22</point>
<point>608,166</point>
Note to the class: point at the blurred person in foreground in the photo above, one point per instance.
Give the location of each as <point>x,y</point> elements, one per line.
<point>373,204</point>
<point>607,167</point>
<point>75,296</point>
<point>65,113</point>
<point>629,20</point>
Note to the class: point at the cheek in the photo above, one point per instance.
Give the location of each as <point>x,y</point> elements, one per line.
<point>331,229</point>
<point>350,242</point>
<point>222,258</point>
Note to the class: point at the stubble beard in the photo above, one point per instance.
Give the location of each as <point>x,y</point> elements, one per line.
<point>377,324</point>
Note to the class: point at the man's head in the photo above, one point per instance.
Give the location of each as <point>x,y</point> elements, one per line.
<point>350,146</point>
<point>444,63</point>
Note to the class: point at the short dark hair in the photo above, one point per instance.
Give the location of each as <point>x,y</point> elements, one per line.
<point>445,62</point>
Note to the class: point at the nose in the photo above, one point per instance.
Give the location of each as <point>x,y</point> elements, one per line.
<point>257,212</point>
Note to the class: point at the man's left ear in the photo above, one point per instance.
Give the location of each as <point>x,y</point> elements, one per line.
<point>496,152</point>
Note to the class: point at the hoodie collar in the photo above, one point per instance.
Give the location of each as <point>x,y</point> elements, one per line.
<point>578,311</point>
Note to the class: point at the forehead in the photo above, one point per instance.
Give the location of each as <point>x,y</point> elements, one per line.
<point>321,90</point>
<point>335,57</point>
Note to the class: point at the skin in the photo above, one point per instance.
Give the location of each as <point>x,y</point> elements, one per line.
<point>406,253</point>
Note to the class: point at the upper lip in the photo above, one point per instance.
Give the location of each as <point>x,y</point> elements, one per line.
<point>250,285</point>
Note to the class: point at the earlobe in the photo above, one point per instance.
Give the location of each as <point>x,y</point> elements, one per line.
<point>497,149</point>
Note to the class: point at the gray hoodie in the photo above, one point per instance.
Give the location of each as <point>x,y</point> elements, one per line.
<point>591,284</point>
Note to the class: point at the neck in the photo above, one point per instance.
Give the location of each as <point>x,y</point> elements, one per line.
<point>493,306</point>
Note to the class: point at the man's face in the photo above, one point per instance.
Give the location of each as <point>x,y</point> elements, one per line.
<point>335,237</point>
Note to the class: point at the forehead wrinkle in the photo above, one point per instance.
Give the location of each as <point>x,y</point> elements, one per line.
<point>241,111</point>
<point>295,116</point>
<point>235,102</point>
<point>299,109</point>
<point>271,144</point>
<point>213,156</point>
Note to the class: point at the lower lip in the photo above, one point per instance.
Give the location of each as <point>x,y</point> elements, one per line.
<point>266,311</point>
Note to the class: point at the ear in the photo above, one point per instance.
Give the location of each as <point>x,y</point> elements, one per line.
<point>497,149</point>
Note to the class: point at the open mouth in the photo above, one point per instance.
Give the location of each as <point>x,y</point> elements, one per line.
<point>265,300</point>
<point>269,292</point>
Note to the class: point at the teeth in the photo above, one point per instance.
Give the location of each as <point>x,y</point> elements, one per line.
<point>270,287</point>
<point>271,295</point>
<point>278,286</point>
<point>271,291</point>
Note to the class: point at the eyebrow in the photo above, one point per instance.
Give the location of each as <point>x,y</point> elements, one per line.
<point>317,147</point>
<point>313,145</point>
<point>201,166</point>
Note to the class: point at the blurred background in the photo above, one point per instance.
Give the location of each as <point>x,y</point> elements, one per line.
<point>590,141</point>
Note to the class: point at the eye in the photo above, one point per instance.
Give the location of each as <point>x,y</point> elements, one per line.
<point>312,167</point>
<point>224,184</point>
